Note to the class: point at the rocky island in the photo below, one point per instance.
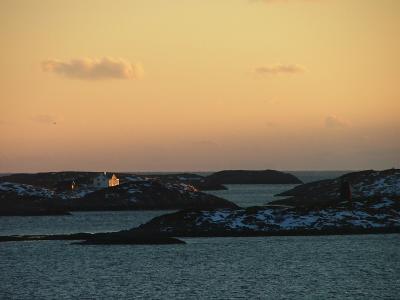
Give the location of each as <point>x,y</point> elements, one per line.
<point>315,208</point>
<point>252,177</point>
<point>216,181</point>
<point>364,185</point>
<point>26,200</point>
<point>61,192</point>
<point>374,216</point>
<point>149,195</point>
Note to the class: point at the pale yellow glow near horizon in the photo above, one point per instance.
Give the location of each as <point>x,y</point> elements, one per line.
<point>199,85</point>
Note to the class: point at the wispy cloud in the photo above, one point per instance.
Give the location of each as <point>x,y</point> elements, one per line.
<point>333,121</point>
<point>279,69</point>
<point>93,69</point>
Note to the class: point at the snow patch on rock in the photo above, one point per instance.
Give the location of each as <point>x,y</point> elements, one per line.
<point>26,190</point>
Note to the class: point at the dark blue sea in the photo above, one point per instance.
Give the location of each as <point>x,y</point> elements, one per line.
<point>325,267</point>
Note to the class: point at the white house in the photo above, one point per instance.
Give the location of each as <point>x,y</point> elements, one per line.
<point>113,181</point>
<point>104,181</point>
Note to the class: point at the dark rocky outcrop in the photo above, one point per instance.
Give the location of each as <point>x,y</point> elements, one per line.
<point>147,196</point>
<point>372,216</point>
<point>363,184</point>
<point>118,239</point>
<point>111,238</point>
<point>252,177</point>
<point>28,201</point>
<point>53,237</point>
<point>50,180</point>
<point>33,211</point>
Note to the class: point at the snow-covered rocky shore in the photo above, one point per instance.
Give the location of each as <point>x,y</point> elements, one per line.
<point>271,220</point>
<point>315,208</point>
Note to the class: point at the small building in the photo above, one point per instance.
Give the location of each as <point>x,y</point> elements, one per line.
<point>104,181</point>
<point>113,181</point>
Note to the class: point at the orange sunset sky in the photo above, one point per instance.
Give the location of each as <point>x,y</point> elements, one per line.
<point>152,85</point>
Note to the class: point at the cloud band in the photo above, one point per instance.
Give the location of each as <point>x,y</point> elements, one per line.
<point>93,69</point>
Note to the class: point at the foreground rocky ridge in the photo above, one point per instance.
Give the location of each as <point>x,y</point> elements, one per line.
<point>315,208</point>
<point>272,220</point>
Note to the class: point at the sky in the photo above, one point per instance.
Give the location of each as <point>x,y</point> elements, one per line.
<point>174,85</point>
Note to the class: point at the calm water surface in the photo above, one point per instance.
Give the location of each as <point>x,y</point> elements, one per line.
<point>246,195</point>
<point>258,194</point>
<point>331,267</point>
<point>335,267</point>
<point>78,222</point>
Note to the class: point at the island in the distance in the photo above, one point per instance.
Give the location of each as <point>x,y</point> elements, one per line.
<point>252,177</point>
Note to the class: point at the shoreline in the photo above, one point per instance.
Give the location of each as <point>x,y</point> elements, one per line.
<point>127,237</point>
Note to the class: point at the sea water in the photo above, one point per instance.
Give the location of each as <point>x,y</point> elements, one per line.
<point>317,267</point>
